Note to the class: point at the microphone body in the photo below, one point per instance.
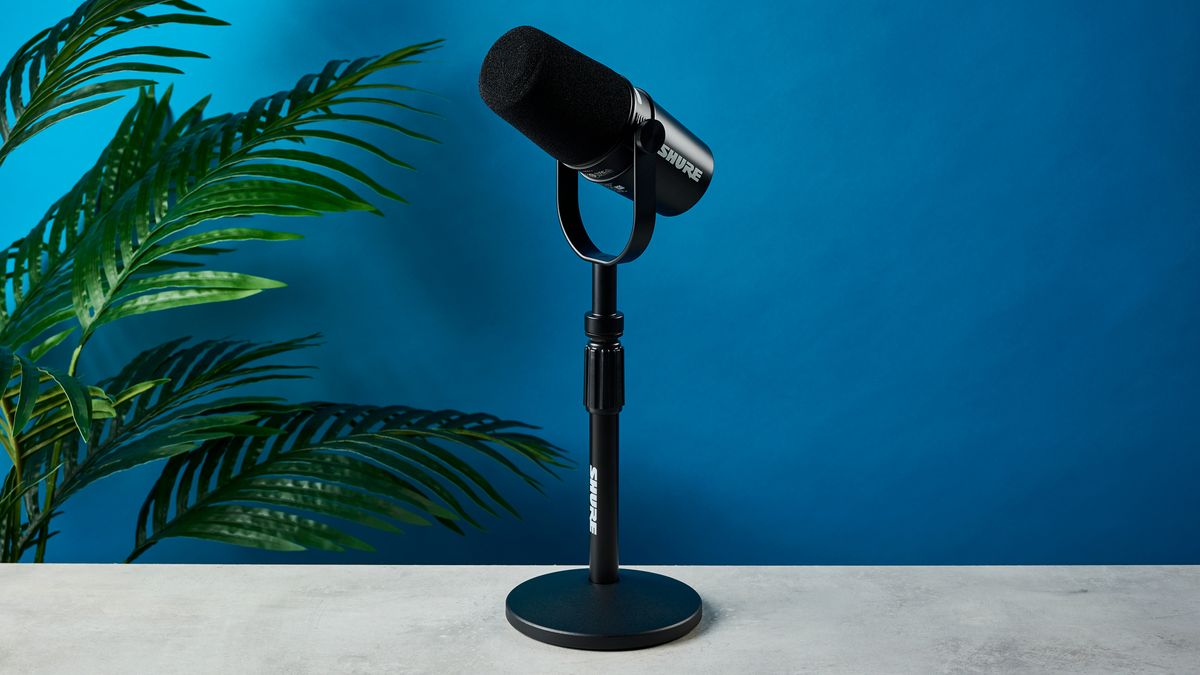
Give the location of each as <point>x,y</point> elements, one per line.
<point>585,115</point>
<point>683,169</point>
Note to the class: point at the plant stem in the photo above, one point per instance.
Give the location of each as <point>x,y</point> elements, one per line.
<point>12,528</point>
<point>52,482</point>
<point>75,357</point>
<point>14,513</point>
<point>14,452</point>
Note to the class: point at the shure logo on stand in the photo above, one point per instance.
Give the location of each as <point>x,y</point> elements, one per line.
<point>595,490</point>
<point>680,162</point>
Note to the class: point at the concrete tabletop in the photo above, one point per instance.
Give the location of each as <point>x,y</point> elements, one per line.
<point>347,619</point>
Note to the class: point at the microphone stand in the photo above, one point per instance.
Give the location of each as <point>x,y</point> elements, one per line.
<point>605,607</point>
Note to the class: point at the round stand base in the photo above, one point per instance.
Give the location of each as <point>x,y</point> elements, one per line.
<point>640,610</point>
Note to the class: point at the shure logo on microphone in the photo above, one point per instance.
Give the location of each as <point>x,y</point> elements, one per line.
<point>595,490</point>
<point>692,171</point>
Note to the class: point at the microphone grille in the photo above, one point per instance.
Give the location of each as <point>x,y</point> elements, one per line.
<point>573,107</point>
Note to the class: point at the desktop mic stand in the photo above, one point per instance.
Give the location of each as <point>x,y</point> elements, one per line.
<point>604,607</point>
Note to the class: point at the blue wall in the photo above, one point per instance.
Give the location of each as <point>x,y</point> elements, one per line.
<point>950,266</point>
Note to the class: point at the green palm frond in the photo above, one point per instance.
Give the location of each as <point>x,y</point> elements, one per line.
<point>230,166</point>
<point>39,408</point>
<point>174,397</point>
<point>62,71</point>
<point>136,235</point>
<point>38,400</point>
<point>35,296</point>
<point>14,490</point>
<point>372,466</point>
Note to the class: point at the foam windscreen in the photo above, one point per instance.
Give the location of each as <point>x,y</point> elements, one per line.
<point>573,107</point>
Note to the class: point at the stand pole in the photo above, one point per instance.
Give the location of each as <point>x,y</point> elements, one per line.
<point>604,395</point>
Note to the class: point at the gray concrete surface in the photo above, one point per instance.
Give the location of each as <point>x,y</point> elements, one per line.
<point>343,619</point>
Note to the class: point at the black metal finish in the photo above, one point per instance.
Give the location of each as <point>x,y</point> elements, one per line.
<point>643,180</point>
<point>604,607</point>
<point>564,609</point>
<point>603,396</point>
<point>683,163</point>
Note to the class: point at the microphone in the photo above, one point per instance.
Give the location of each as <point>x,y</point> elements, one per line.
<point>583,114</point>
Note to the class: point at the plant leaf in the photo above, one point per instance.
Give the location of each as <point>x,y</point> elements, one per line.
<point>38,351</point>
<point>172,399</point>
<point>37,278</point>
<point>51,78</point>
<point>224,167</point>
<point>369,465</point>
<point>79,400</point>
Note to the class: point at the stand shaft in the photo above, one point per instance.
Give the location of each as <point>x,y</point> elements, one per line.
<point>603,560</point>
<point>604,396</point>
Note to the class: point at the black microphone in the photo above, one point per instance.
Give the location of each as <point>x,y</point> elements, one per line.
<point>595,123</point>
<point>583,114</point>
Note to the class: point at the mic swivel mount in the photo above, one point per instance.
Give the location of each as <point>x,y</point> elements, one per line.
<point>648,137</point>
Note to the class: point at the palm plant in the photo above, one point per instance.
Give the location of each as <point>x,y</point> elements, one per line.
<point>136,234</point>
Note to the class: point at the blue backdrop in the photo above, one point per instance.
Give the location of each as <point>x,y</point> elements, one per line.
<point>948,270</point>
